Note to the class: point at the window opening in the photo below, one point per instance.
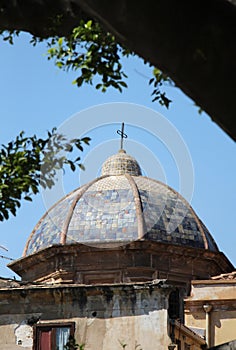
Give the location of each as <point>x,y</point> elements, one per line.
<point>174,305</point>
<point>52,336</point>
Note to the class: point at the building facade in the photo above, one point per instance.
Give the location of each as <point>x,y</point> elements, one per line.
<point>109,267</point>
<point>212,306</point>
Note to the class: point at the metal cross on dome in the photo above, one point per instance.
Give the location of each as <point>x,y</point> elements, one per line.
<point>122,135</point>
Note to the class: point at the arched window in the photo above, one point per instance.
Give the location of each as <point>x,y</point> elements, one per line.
<point>174,305</point>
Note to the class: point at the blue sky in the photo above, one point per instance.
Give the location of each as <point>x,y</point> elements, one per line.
<point>36,96</point>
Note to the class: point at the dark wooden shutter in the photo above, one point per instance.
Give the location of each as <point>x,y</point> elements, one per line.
<point>45,339</point>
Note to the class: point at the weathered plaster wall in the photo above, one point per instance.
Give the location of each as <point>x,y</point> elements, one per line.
<point>15,334</point>
<point>221,295</point>
<point>223,326</point>
<point>104,316</point>
<point>202,290</point>
<point>223,323</point>
<point>144,330</point>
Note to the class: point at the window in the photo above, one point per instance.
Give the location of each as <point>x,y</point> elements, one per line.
<point>52,336</point>
<point>174,305</point>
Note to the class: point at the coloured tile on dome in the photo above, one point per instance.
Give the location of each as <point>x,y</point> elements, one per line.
<point>104,216</point>
<point>48,230</point>
<point>107,211</point>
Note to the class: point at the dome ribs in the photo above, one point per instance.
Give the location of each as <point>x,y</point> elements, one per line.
<point>138,206</point>
<point>40,222</point>
<point>198,221</point>
<point>72,207</point>
<point>121,205</point>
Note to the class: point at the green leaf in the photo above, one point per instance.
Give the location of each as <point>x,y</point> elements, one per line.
<point>30,162</point>
<point>89,24</point>
<point>86,140</point>
<point>60,41</point>
<point>72,165</point>
<point>82,167</point>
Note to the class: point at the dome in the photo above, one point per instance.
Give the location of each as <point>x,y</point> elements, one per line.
<point>118,207</point>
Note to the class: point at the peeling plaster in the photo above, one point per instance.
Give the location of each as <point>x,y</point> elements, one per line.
<point>24,335</point>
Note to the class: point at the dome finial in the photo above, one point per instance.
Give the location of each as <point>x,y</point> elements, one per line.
<point>122,135</point>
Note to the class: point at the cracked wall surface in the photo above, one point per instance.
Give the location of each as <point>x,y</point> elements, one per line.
<point>104,316</point>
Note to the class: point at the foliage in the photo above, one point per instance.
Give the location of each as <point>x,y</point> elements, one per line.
<point>136,347</point>
<point>28,162</point>
<point>72,345</point>
<point>157,81</point>
<point>96,55</point>
<point>9,35</point>
<point>122,344</point>
<point>93,52</point>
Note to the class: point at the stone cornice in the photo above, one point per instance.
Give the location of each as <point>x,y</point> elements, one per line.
<point>164,248</point>
<point>192,306</point>
<point>213,282</point>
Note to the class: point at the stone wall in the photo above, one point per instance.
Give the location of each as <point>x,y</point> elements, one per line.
<point>105,316</point>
